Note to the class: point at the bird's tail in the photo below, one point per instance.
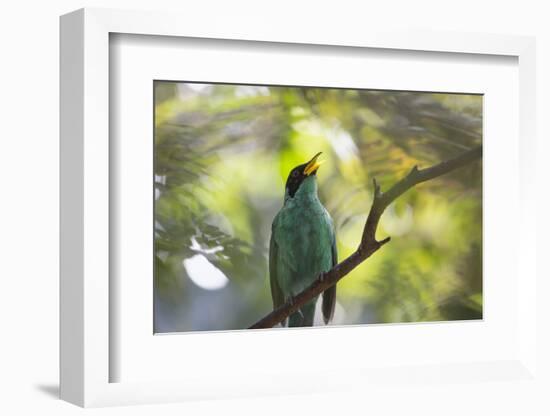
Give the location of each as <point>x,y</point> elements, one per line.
<point>329,303</point>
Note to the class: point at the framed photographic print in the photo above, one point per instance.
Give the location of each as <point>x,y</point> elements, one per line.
<point>229,197</point>
<point>240,194</point>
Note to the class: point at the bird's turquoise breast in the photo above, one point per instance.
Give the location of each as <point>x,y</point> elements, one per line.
<point>303,234</point>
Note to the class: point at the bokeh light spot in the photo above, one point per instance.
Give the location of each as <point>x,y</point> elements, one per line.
<point>204,274</point>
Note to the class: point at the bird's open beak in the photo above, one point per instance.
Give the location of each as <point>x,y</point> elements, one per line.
<point>313,165</point>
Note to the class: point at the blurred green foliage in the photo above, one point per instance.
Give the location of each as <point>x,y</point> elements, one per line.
<point>222,154</point>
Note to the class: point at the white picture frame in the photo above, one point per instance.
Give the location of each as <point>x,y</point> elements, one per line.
<point>86,356</point>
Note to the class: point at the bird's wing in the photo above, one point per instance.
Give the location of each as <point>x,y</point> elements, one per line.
<point>329,295</point>
<point>276,293</point>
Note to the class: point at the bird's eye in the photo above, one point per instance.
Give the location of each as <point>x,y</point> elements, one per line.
<point>295,173</point>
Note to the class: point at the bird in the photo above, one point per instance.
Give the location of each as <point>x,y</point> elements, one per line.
<point>302,246</point>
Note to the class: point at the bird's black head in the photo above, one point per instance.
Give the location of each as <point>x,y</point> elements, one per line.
<point>301,172</point>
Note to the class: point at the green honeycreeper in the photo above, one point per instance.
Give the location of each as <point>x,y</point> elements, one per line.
<point>302,245</point>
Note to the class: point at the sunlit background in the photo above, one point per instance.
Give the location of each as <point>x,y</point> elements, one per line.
<point>222,154</point>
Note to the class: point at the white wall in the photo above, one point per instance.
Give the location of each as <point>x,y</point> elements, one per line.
<point>29,206</point>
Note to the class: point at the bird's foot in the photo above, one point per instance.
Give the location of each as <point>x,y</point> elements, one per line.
<point>322,277</point>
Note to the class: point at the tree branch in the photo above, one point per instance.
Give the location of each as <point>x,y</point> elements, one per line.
<point>368,245</point>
